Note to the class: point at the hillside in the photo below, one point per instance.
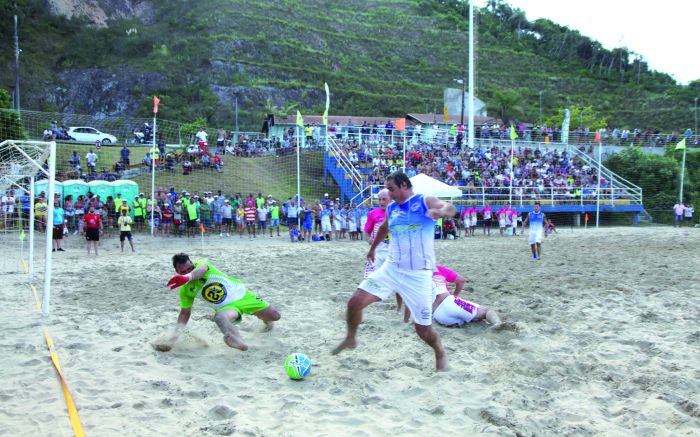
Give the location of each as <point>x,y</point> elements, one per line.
<point>380,57</point>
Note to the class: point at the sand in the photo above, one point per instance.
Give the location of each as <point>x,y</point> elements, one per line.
<point>608,343</point>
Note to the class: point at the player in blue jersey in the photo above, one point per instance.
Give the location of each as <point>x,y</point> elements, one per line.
<point>536,220</point>
<point>410,219</point>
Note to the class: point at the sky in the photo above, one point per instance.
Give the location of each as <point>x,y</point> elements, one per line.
<point>661,32</point>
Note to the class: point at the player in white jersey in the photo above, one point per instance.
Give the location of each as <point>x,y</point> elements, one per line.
<point>409,267</point>
<point>536,220</point>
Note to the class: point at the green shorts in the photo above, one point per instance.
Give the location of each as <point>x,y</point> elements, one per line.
<point>248,304</point>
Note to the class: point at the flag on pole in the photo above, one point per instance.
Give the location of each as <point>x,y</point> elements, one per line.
<point>328,104</point>
<point>156,101</point>
<point>513,134</point>
<point>300,119</point>
<point>201,228</point>
<point>400,124</point>
<point>445,114</point>
<point>680,145</point>
<point>586,217</point>
<point>597,135</point>
<point>22,236</point>
<point>565,126</point>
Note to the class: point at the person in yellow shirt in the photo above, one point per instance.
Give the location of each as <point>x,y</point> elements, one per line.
<point>40,210</point>
<point>125,223</point>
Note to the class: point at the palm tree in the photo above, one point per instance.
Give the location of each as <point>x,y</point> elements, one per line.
<point>279,111</point>
<point>506,105</point>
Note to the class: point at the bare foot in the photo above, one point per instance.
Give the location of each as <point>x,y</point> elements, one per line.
<point>506,326</point>
<point>348,343</point>
<point>441,362</point>
<point>235,342</point>
<point>162,347</point>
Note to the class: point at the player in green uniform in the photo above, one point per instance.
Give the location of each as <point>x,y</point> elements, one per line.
<point>225,294</point>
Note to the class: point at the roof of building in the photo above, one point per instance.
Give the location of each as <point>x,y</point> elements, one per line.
<point>358,120</point>
<point>452,118</point>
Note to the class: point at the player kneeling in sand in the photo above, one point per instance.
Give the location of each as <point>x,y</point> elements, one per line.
<point>451,310</point>
<point>227,295</point>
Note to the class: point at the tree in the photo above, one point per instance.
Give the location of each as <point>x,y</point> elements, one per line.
<point>279,111</point>
<point>505,105</point>
<point>10,121</point>
<point>584,116</point>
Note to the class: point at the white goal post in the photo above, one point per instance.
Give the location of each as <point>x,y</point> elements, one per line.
<point>22,163</point>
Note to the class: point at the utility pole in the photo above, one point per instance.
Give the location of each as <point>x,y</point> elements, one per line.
<point>540,108</point>
<point>235,135</point>
<point>470,142</point>
<point>695,131</point>
<point>17,52</point>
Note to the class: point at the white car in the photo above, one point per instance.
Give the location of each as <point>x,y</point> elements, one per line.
<point>85,134</point>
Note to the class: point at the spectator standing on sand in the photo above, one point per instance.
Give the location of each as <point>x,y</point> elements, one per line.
<point>679,210</point>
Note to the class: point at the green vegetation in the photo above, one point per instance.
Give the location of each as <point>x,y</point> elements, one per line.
<point>385,57</point>
<point>10,122</point>
<point>659,177</point>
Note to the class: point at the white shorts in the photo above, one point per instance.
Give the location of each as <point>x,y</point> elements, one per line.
<point>501,223</point>
<point>336,224</point>
<point>414,286</point>
<point>352,226</point>
<point>380,255</point>
<point>326,226</point>
<point>455,311</point>
<point>473,221</point>
<point>535,236</point>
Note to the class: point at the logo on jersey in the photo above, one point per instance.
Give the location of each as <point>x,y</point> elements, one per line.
<point>214,292</point>
<point>415,207</point>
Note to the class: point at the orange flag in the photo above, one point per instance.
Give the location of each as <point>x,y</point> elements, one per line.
<point>400,124</point>
<point>156,101</point>
<point>586,218</point>
<point>597,135</point>
<point>201,228</point>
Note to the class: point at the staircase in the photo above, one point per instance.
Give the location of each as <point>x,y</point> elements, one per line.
<point>343,172</point>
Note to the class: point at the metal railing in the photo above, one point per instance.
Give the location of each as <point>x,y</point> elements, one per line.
<point>344,163</point>
<point>547,196</point>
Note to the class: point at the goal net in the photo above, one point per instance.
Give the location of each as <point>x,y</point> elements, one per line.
<point>26,212</point>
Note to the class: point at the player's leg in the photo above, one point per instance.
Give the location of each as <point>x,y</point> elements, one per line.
<point>539,250</point>
<point>359,300</point>
<point>232,337</point>
<point>431,336</point>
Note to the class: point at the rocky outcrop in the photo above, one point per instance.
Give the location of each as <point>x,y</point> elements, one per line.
<point>99,12</point>
<point>103,92</point>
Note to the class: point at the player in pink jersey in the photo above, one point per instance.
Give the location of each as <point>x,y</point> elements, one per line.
<point>513,217</point>
<point>486,213</point>
<point>502,215</point>
<point>472,214</point>
<point>375,219</point>
<point>451,310</point>
<point>466,220</point>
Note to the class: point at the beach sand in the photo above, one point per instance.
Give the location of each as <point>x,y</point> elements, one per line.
<point>608,343</point>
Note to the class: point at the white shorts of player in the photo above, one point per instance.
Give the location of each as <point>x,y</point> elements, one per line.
<point>535,236</point>
<point>414,286</point>
<point>380,255</point>
<point>326,225</point>
<point>455,311</point>
<point>473,221</point>
<point>501,223</point>
<point>336,225</point>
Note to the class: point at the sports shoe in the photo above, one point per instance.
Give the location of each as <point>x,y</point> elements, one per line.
<point>227,234</point>
<point>222,234</point>
<point>60,249</point>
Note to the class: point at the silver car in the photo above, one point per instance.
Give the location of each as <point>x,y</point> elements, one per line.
<point>86,134</point>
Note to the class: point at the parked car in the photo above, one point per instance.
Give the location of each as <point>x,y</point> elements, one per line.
<point>85,134</point>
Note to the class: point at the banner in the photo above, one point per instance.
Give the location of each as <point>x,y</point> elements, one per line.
<point>328,104</point>
<point>565,126</point>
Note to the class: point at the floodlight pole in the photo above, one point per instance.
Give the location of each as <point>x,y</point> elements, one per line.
<point>235,132</point>
<point>46,298</point>
<point>153,177</point>
<point>31,229</point>
<point>471,75</point>
<point>17,52</point>
<point>540,108</point>
<point>696,121</point>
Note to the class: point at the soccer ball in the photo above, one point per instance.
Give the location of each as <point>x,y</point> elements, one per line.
<point>297,366</point>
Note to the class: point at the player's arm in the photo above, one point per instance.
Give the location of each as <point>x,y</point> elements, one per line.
<point>438,208</point>
<point>525,222</point>
<point>459,284</point>
<point>382,232</point>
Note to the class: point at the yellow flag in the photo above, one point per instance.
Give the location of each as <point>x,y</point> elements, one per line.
<point>300,119</point>
<point>680,145</point>
<point>22,235</point>
<point>328,104</point>
<point>445,114</point>
<point>513,135</point>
